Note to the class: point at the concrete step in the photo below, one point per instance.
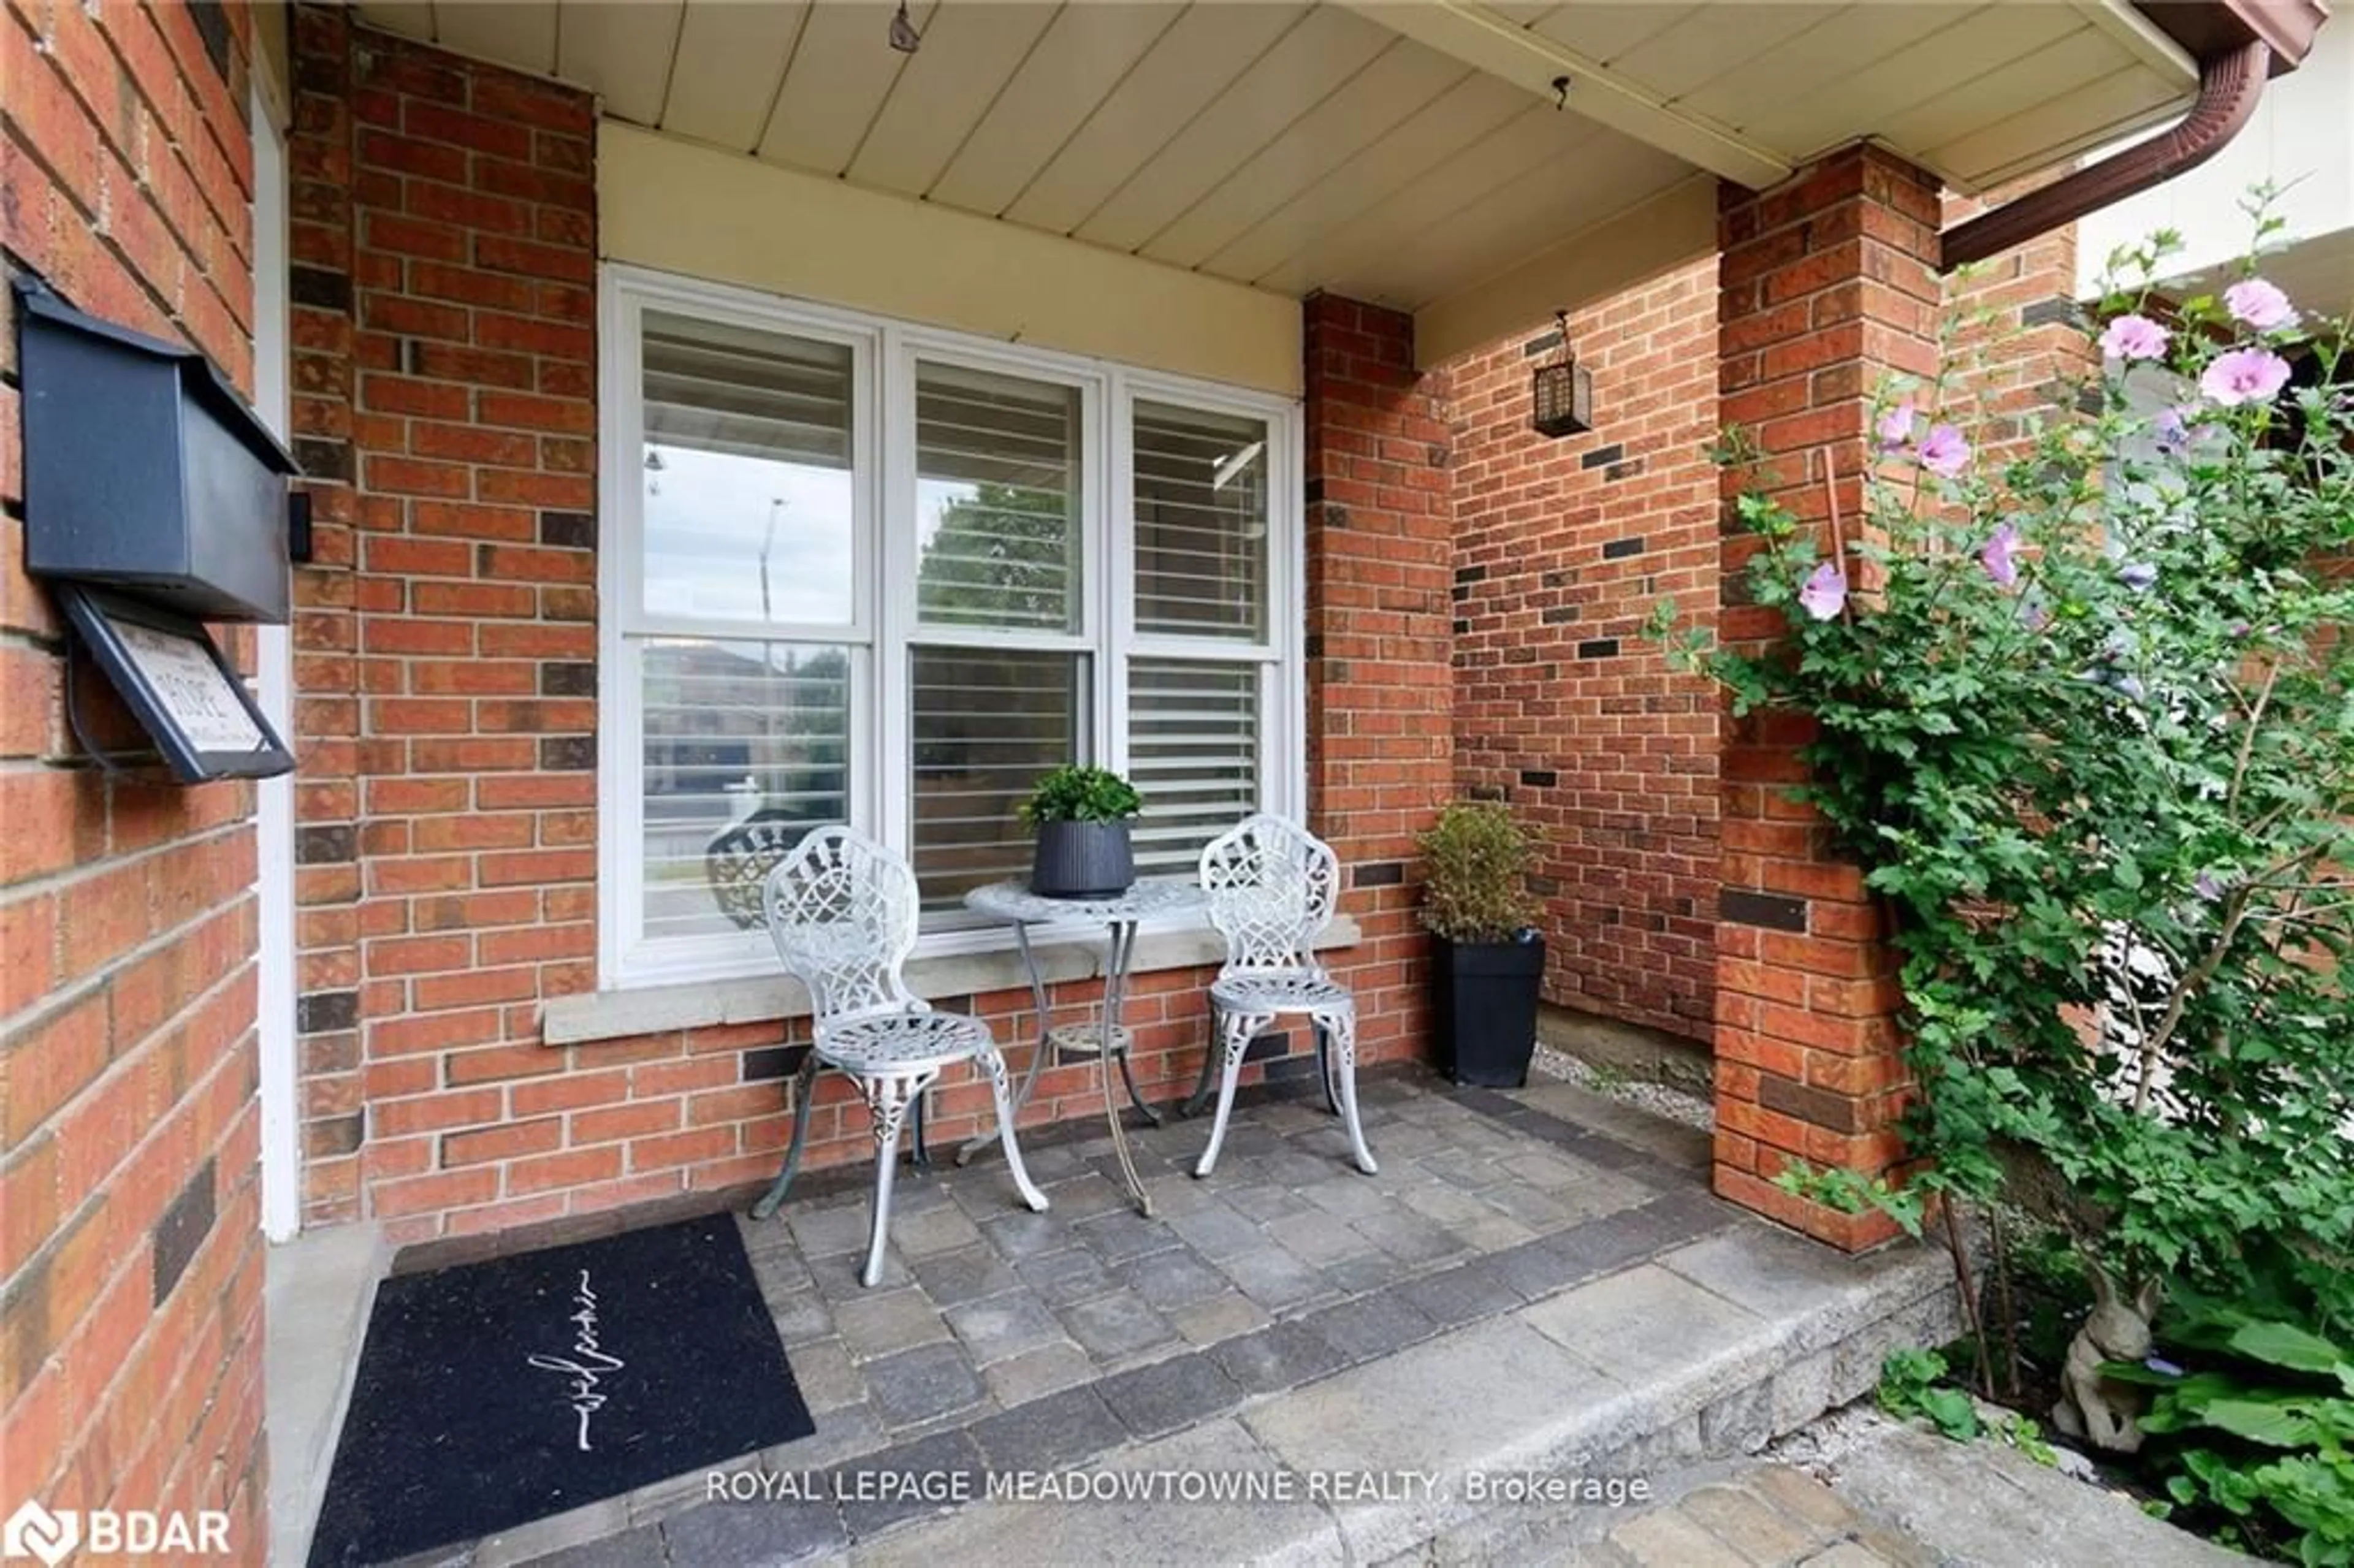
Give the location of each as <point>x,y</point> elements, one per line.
<point>1477,1445</point>
<point>317,1295</point>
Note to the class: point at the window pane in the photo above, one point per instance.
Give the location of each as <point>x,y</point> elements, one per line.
<point>987,722</point>
<point>1192,753</point>
<point>997,501</point>
<point>747,474</point>
<point>747,747</point>
<point>1201,523</point>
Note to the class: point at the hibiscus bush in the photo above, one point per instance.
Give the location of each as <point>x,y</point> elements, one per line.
<point>2085,707</point>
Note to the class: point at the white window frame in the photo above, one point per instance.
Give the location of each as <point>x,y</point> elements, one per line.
<point>884,626</point>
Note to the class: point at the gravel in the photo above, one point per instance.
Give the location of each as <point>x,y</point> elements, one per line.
<point>1660,1100</point>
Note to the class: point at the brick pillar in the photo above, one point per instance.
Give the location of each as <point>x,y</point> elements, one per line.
<point>445,270</point>
<point>1827,285</point>
<point>1380,642</point>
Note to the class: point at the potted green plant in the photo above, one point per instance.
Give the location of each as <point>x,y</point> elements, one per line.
<point>1488,958</point>
<point>1081,815</point>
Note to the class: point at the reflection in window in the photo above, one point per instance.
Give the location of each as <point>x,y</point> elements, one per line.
<point>736,733</point>
<point>997,501</point>
<point>987,722</point>
<point>1201,523</point>
<point>749,512</point>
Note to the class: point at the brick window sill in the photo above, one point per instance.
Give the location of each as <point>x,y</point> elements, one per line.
<point>623,1014</point>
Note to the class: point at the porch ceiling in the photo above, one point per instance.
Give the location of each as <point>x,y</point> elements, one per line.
<point>1408,153</point>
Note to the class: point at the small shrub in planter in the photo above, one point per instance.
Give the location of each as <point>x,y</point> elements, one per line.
<point>1488,960</point>
<point>1082,817</point>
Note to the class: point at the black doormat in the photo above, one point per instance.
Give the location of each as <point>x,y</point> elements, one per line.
<point>490,1395</point>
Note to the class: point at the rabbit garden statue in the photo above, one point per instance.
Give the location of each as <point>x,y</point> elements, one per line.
<point>2099,1410</point>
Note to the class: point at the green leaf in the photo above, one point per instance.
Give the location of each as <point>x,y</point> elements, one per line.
<point>1951,1412</point>
<point>2285,1345</point>
<point>2276,1426</point>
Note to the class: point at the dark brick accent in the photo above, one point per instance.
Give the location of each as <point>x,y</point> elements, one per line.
<point>1619,549</point>
<point>1539,777</point>
<point>568,680</point>
<point>326,845</point>
<point>1603,457</point>
<point>320,288</point>
<point>1379,873</point>
<point>1543,342</point>
<point>1817,1108</point>
<point>181,1230</point>
<point>2057,311</point>
<point>1313,492</point>
<point>212,27</point>
<point>568,530</point>
<point>1559,614</point>
<point>766,1062</point>
<point>1464,575</point>
<point>325,1011</point>
<point>321,459</point>
<point>567,753</point>
<point>1772,910</point>
<point>1598,647</point>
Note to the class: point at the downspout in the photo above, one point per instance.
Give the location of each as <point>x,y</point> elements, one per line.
<point>2230,83</point>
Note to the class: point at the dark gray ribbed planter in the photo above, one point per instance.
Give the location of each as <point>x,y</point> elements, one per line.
<point>1082,860</point>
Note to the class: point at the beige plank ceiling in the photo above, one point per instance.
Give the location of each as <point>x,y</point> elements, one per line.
<point>1407,151</point>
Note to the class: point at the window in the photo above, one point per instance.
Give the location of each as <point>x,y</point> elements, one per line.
<point>855,571</point>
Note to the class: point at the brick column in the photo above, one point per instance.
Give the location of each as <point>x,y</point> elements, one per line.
<point>1380,642</point>
<point>1827,285</point>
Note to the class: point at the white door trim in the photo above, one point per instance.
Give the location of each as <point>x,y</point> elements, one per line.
<point>281,1153</point>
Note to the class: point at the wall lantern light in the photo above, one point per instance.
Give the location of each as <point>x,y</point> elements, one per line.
<point>1563,401</point>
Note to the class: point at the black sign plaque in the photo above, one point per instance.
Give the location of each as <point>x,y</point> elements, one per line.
<point>174,680</point>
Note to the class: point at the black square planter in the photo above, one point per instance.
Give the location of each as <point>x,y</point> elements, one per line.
<point>1484,1009</point>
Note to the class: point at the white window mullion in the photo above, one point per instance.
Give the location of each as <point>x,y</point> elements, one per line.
<point>619,836</point>
<point>1287,764</point>
<point>898,553</point>
<point>1116,578</point>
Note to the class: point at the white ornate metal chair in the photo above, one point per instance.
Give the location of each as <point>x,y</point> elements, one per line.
<point>1271,887</point>
<point>842,910</point>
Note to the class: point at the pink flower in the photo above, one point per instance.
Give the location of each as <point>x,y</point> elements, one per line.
<point>2134,337</point>
<point>1895,426</point>
<point>2244,376</point>
<point>1824,593</point>
<point>2258,304</point>
<point>1997,557</point>
<point>1943,452</point>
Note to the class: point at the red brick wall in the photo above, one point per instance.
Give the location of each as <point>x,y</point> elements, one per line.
<point>1380,681</point>
<point>131,1253</point>
<point>444,280</point>
<point>1826,286</point>
<point>1563,706</point>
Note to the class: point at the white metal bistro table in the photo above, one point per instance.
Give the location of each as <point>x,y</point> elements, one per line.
<point>1106,1037</point>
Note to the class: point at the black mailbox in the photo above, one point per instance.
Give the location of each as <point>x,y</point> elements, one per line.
<point>144,472</point>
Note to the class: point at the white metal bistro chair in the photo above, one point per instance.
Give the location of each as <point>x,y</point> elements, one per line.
<point>1271,886</point>
<point>842,910</point>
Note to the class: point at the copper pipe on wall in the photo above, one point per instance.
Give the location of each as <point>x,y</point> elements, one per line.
<point>2229,86</point>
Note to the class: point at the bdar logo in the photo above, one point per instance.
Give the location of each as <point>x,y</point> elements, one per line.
<point>34,1532</point>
